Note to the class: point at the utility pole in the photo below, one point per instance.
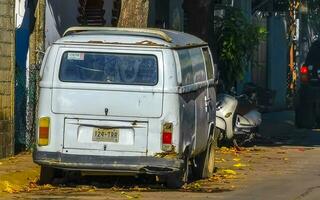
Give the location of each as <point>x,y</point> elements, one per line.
<point>294,30</point>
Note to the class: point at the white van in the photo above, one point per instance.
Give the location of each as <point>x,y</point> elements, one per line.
<point>127,101</point>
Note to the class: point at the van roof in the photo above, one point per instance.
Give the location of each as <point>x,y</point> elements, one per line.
<point>130,36</point>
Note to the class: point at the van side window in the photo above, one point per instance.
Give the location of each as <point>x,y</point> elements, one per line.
<point>192,66</point>
<point>186,67</point>
<point>208,61</point>
<point>109,68</point>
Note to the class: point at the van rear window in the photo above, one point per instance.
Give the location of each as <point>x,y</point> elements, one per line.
<point>109,68</point>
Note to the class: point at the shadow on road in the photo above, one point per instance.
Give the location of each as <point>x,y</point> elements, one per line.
<point>278,129</point>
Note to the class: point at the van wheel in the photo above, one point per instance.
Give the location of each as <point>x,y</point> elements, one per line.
<point>47,175</point>
<point>205,162</point>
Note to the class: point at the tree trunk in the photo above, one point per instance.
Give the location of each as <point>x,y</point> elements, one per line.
<point>134,13</point>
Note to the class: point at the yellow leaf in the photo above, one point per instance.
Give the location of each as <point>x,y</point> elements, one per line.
<point>239,165</point>
<point>236,159</point>
<point>129,196</point>
<point>47,187</point>
<point>227,176</point>
<point>229,171</point>
<point>7,187</point>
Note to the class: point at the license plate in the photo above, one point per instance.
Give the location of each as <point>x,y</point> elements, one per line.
<point>105,135</point>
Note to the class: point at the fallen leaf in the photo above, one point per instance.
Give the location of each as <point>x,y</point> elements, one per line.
<point>7,187</point>
<point>47,187</point>
<point>228,176</point>
<point>230,171</point>
<point>137,188</point>
<point>129,196</point>
<point>236,159</point>
<point>239,165</point>
<point>193,187</point>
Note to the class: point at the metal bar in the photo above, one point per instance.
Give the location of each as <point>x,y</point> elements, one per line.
<point>154,32</point>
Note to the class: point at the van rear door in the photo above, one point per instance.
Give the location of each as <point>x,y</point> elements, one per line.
<point>107,97</point>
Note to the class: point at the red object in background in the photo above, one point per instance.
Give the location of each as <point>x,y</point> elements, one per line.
<point>304,74</point>
<point>304,70</point>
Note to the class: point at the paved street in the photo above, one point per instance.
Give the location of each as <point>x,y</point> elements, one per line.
<point>284,164</point>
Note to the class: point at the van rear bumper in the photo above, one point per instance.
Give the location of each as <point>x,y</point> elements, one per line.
<point>110,164</point>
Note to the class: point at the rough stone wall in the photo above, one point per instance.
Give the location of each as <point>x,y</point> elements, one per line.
<point>7,66</point>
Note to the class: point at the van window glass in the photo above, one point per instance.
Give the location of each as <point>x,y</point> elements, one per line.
<point>208,61</point>
<point>186,67</point>
<point>109,68</point>
<point>197,65</point>
<point>192,66</point>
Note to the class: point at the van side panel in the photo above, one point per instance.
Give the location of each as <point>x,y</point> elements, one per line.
<point>187,118</point>
<point>196,114</point>
<point>56,122</point>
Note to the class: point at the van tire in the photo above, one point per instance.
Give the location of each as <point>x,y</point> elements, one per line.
<point>47,175</point>
<point>205,161</point>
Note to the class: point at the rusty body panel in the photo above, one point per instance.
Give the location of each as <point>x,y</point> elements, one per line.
<point>7,66</point>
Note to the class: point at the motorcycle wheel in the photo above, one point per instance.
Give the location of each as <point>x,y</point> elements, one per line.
<point>242,140</point>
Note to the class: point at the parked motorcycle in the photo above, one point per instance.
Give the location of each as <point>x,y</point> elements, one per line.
<point>237,118</point>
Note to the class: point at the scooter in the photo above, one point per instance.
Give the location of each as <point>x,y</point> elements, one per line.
<point>237,118</point>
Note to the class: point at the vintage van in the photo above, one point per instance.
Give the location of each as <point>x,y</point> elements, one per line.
<point>127,101</point>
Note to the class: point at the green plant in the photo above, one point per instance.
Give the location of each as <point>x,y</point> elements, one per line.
<point>235,39</point>
<point>314,14</point>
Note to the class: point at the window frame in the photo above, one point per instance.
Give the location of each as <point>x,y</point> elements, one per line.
<point>212,63</point>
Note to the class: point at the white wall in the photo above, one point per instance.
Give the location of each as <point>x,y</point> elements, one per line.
<point>19,11</point>
<point>62,14</point>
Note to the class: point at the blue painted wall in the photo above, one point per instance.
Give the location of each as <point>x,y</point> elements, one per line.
<point>22,46</point>
<point>277,59</point>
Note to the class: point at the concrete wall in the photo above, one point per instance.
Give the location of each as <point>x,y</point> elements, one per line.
<point>7,69</point>
<point>277,59</point>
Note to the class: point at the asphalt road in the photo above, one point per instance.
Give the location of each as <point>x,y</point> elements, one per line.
<point>284,164</point>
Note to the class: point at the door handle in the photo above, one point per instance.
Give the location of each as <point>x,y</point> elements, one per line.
<point>207,103</point>
<point>207,99</point>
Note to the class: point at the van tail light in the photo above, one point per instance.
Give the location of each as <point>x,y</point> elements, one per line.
<point>304,74</point>
<point>44,129</point>
<point>167,137</point>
